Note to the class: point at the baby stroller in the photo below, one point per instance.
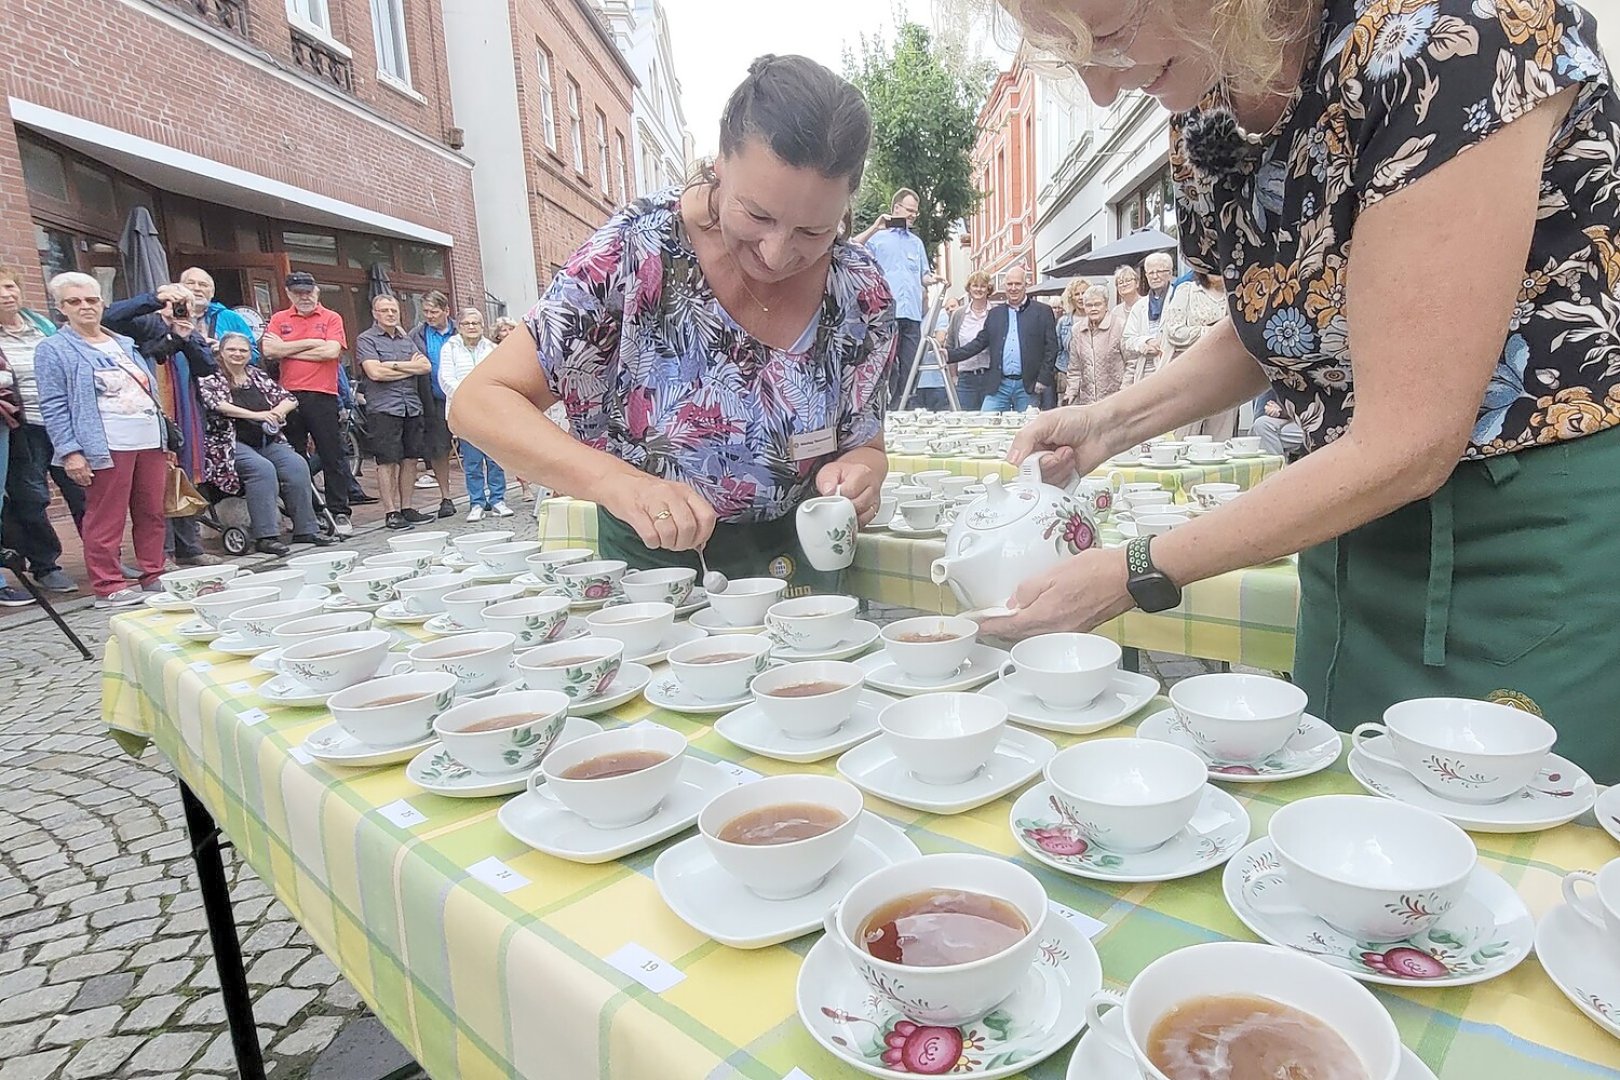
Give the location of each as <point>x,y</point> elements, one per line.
<point>228,516</point>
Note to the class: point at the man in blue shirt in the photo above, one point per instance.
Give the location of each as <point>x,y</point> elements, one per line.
<point>903,258</point>
<point>1022,335</point>
<point>436,328</point>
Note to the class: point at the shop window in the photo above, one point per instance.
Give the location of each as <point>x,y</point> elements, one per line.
<point>364,251</point>
<point>56,254</point>
<point>423,260</point>
<point>248,236</point>
<point>44,171</point>
<point>94,189</point>
<point>310,247</point>
<point>183,228</point>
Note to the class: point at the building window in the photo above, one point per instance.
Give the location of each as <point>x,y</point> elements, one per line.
<point>1151,205</point>
<point>576,127</point>
<point>602,153</point>
<point>621,166</point>
<point>548,100</point>
<point>311,13</point>
<point>388,24</point>
<point>310,247</point>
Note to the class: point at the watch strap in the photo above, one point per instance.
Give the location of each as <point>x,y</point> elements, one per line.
<point>1138,560</point>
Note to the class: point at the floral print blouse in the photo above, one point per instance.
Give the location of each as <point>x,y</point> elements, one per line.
<point>654,371</point>
<point>219,432</point>
<point>1397,88</point>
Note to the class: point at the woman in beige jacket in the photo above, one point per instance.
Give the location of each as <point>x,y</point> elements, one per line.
<point>1188,315</point>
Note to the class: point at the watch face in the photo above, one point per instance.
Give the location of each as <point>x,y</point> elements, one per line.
<point>1155,592</point>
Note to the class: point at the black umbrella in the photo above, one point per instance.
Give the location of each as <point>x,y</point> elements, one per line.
<point>377,283</point>
<point>1126,251</point>
<point>145,263</point>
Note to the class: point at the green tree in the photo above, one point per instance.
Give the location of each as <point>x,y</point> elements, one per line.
<point>923,130</point>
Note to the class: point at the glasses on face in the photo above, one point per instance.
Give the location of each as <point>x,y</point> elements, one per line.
<point>1109,52</point>
<point>80,301</point>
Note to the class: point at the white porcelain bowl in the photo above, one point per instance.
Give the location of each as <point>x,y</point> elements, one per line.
<point>725,680</point>
<point>745,601</point>
<point>812,622</point>
<point>1129,795</point>
<point>614,802</point>
<point>1065,671</point>
<point>256,624</point>
<point>372,712</point>
<point>640,626</point>
<point>930,661</point>
<point>943,738</point>
<point>809,716</point>
<point>432,541</point>
<point>1238,718</point>
<point>215,608</point>
<point>1462,749</point>
<point>782,871</point>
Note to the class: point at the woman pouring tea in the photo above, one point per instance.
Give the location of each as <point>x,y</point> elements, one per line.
<point>720,349</point>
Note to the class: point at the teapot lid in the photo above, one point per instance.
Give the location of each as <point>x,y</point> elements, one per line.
<point>1001,505</point>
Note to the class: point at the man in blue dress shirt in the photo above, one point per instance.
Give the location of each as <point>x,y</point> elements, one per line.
<point>903,258</point>
<point>1022,335</point>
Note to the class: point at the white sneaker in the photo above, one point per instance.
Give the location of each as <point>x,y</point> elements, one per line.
<point>341,525</point>
<point>500,509</point>
<point>475,513</point>
<point>427,480</point>
<point>122,598</point>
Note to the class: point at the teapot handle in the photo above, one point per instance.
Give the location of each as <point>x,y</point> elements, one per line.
<point>1030,473</point>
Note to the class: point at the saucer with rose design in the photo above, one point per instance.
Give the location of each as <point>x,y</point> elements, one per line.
<point>1048,833</point>
<point>1312,747</point>
<point>1607,811</point>
<point>335,746</point>
<point>434,770</point>
<point>1586,975</point>
<point>1047,1010</point>
<point>1486,934</point>
<point>1560,792</point>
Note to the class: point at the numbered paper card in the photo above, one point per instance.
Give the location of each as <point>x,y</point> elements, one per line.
<point>402,813</point>
<point>497,875</point>
<point>648,969</point>
<point>1083,922</point>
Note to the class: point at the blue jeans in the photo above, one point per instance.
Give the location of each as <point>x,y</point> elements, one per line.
<point>1010,396</point>
<point>486,481</point>
<point>264,469</point>
<point>970,389</point>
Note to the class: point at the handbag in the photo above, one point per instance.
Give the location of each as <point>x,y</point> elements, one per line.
<point>180,496</point>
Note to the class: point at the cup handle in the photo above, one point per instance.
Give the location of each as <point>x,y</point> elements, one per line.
<point>1116,480</point>
<point>401,667</point>
<point>1103,1003</point>
<point>1579,902</point>
<point>829,922</point>
<point>1358,739</point>
<point>536,789</point>
<point>1263,905</point>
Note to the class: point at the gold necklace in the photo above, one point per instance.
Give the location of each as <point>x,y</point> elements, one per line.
<point>742,279</point>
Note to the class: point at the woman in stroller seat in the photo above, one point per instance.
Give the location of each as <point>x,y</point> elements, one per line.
<point>246,453</point>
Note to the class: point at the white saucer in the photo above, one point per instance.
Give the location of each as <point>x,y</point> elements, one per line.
<point>435,771</point>
<point>713,902</point>
<point>311,592</point>
<point>1572,952</point>
<point>443,625</point>
<point>906,532</point>
<point>592,605</point>
<point>339,602</point>
<point>1246,454</point>
<point>1048,1009</point>
<point>749,729</point>
<point>1310,749</point>
<point>1224,459</point>
<point>631,680</point>
<point>666,692</point>
<point>232,645</point>
<point>335,746</point>
<point>534,586</point>
<point>1607,811</point>
<point>453,560</point>
<point>1485,935</point>
<point>1017,759</point>
<point>539,820</point>
<point>1546,803</point>
<point>1094,1059</point>
<point>1127,692</point>
<point>679,634</point>
<point>267,661</point>
<point>982,665</point>
<point>1219,828</point>
<point>1149,463</point>
<point>196,630</point>
<point>709,620</point>
<point>168,602</point>
<point>486,575</point>
<point>285,690</point>
<point>396,612</point>
<point>862,635</point>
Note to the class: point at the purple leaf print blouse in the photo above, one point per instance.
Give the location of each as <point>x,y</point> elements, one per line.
<point>652,370</point>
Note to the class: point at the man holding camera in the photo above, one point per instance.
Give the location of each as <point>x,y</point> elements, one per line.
<point>903,258</point>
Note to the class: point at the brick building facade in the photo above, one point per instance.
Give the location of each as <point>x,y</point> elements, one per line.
<point>1003,229</point>
<point>264,135</point>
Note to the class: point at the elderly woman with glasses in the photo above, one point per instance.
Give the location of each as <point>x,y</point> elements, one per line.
<point>1414,209</point>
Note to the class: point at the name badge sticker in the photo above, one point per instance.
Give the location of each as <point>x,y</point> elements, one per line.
<point>813,444</point>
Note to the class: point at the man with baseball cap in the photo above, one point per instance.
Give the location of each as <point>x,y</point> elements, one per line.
<point>307,339</point>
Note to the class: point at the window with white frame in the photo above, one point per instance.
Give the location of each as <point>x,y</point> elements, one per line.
<point>602,153</point>
<point>620,167</point>
<point>388,25</point>
<point>310,13</point>
<point>576,127</point>
<point>548,99</point>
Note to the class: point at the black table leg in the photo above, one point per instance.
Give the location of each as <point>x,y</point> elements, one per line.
<point>1131,659</point>
<point>216,898</point>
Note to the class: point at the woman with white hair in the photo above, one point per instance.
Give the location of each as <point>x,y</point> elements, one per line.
<point>1096,349</point>
<point>463,351</point>
<point>97,396</point>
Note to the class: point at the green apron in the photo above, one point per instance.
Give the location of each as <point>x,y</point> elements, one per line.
<point>758,549</point>
<point>1498,587</point>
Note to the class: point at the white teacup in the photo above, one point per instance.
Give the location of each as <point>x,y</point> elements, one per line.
<point>393,710</point>
<point>508,556</point>
<point>668,586</point>
<point>1158,524</point>
<point>1600,906</point>
<point>331,662</point>
<point>1204,454</point>
<point>795,867</point>
<point>478,661</point>
<point>746,600</point>
<point>932,479</point>
<point>432,542</point>
<point>887,505</point>
<point>803,715</point>
<point>289,582</point>
<point>468,545</point>
<point>954,487</point>
<point>922,513</point>
<point>1198,440</point>
<point>545,564</point>
<point>1238,718</point>
<point>416,560</point>
<point>1245,969</point>
<point>256,624</point>
<point>1374,868</point>
<point>943,738</point>
<point>1245,444</point>
<point>580,669</point>
<point>1128,795</point>
<point>722,680</point>
<point>215,608</point>
<point>533,620</point>
<point>314,627</point>
<point>507,733</point>
<point>640,626</point>
<point>323,567</point>
<point>425,595</point>
<point>373,585</point>
<point>1138,487</point>
<point>930,661</point>
<point>593,579</point>
<point>1460,749</point>
<point>955,994</point>
<point>466,605</point>
<point>812,622</point>
<point>1206,494</point>
<point>1167,453</point>
<point>194,581</point>
<point>1064,671</point>
<point>613,802</point>
<point>1142,502</point>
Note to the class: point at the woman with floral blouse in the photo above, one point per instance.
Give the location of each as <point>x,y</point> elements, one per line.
<point>1413,205</point>
<point>720,349</point>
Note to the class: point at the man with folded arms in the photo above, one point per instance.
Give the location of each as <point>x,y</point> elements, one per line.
<point>390,362</point>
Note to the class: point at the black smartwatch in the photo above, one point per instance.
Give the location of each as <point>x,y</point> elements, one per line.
<point>1147,584</point>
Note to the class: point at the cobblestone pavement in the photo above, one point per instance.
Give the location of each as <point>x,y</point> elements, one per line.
<point>105,964</point>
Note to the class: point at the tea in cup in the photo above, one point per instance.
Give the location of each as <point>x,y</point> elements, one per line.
<point>668,586</point>
<point>1206,494</point>
<point>478,661</point>
<point>1601,905</point>
<point>809,699</point>
<point>1374,868</point>
<point>780,836</point>
<point>507,557</point>
<point>812,622</point>
<point>191,582</point>
<point>1237,718</point>
<point>329,663</point>
<point>746,600</point>
<point>394,710</point>
<point>432,542</point>
<point>615,779</point>
<point>932,479</point>
<point>1129,795</point>
<point>466,605</point>
<point>1063,671</point>
<point>425,595</point>
<point>719,668</point>
<point>1463,750</point>
<point>533,620</point>
<point>507,733</point>
<point>942,939</point>
<point>374,585</point>
<point>922,514</point>
<point>943,738</point>
<point>215,608</point>
<point>640,626</point>
<point>1245,445</point>
<point>322,567</point>
<point>545,564</point>
<point>468,545</point>
<point>930,648</point>
<point>578,669</point>
<point>593,579</point>
<point>255,625</point>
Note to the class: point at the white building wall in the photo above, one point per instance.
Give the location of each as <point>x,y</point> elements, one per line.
<point>659,154</point>
<point>1608,18</point>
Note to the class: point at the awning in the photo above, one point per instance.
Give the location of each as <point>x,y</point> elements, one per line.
<point>1110,257</point>
<point>190,174</point>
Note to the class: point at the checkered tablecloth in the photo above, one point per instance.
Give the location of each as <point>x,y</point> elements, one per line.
<point>1245,617</point>
<point>1245,472</point>
<point>479,983</point>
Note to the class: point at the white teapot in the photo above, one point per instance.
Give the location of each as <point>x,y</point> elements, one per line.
<point>1012,531</point>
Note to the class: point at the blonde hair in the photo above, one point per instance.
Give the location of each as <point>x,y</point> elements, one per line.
<point>1073,293</point>
<point>980,277</point>
<point>1246,45</point>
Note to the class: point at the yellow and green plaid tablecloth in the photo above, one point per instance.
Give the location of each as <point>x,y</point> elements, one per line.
<point>1244,617</point>
<point>478,983</point>
<point>1245,472</point>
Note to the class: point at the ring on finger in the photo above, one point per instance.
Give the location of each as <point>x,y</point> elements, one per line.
<point>663,515</point>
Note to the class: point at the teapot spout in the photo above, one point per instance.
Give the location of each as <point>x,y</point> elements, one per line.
<point>948,571</point>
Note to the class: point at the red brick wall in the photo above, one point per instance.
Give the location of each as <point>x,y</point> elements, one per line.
<point>1004,229</point>
<point>565,206</point>
<point>100,61</point>
<point>17,249</point>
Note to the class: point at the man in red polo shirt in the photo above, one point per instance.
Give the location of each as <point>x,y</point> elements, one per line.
<point>308,341</point>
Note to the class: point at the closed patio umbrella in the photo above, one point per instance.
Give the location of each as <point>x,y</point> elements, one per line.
<point>145,263</point>
<point>1127,250</point>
